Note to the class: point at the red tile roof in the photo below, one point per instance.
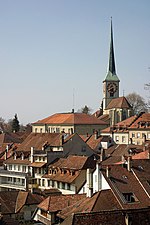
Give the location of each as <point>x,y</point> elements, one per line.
<point>71,119</point>
<point>56,203</point>
<point>102,200</point>
<point>37,140</point>
<point>121,126</point>
<point>122,181</point>
<point>143,121</point>
<point>120,103</point>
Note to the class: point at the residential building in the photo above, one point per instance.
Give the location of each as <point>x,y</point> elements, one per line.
<point>69,174</point>
<point>18,205</point>
<point>139,131</point>
<point>47,210</point>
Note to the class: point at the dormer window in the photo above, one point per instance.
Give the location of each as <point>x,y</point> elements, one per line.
<point>129,197</point>
<point>72,172</point>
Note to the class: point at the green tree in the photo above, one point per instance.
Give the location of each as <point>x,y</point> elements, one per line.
<point>15,124</point>
<point>85,110</point>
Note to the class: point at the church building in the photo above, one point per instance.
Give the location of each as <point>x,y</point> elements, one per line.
<point>113,108</point>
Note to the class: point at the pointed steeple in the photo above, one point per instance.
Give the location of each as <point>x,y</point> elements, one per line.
<point>112,68</point>
<point>111,74</point>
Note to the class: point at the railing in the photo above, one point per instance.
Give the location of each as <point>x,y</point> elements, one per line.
<point>44,219</point>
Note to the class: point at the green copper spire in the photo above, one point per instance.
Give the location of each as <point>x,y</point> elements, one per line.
<point>111,74</point>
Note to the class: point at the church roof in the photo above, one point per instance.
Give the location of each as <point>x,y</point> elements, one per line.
<point>119,103</point>
<point>111,75</point>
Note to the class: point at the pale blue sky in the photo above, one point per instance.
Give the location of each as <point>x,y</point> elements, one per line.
<point>48,48</point>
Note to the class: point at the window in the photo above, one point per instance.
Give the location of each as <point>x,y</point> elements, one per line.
<point>68,186</point>
<point>19,168</point>
<point>138,135</point>
<point>130,197</point>
<point>52,183</point>
<point>57,130</point>
<point>36,130</point>
<point>14,167</point>
<point>43,182</point>
<point>148,135</point>
<point>133,134</point>
<point>23,168</point>
<point>41,130</point>
<point>123,139</point>
<point>58,184</point>
<point>9,179</point>
<point>23,182</point>
<point>63,185</point>
<point>10,167</point>
<point>43,213</point>
<point>117,138</point>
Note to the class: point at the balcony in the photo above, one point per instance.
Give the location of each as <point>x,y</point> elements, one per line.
<point>7,173</point>
<point>13,180</point>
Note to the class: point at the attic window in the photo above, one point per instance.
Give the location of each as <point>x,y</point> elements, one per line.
<point>72,172</point>
<point>130,197</point>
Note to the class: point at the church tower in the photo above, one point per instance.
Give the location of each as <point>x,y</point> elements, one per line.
<point>111,82</point>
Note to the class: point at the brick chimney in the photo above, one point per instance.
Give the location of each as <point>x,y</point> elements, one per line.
<point>96,135</point>
<point>62,139</point>
<point>129,163</point>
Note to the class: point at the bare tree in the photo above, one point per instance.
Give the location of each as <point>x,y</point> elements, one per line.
<point>137,102</point>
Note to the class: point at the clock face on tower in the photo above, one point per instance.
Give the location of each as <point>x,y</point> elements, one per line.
<point>112,87</point>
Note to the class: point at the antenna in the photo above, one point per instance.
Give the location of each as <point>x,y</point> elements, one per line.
<point>123,92</point>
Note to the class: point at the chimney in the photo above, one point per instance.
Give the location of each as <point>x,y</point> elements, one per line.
<point>89,179</point>
<point>62,139</point>
<point>129,163</point>
<point>32,158</point>
<point>126,219</point>
<point>102,155</point>
<point>108,171</point>
<point>96,135</point>
<point>6,152</point>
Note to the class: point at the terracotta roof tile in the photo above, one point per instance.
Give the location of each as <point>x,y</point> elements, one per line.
<point>70,118</point>
<point>120,102</point>
<point>142,122</point>
<point>102,200</point>
<point>122,181</point>
<point>37,140</point>
<point>56,203</point>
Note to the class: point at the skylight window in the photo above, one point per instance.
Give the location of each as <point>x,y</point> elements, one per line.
<point>130,197</point>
